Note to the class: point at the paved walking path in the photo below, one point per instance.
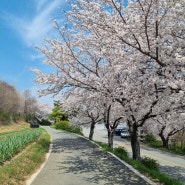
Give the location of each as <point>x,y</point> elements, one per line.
<point>75,160</point>
<point>171,164</point>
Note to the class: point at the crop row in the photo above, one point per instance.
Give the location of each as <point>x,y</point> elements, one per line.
<point>11,145</point>
<point>9,134</point>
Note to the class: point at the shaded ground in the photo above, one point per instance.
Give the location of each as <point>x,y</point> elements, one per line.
<point>171,164</point>
<point>175,172</point>
<point>77,161</point>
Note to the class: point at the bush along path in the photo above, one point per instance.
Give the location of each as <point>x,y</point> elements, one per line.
<point>146,165</point>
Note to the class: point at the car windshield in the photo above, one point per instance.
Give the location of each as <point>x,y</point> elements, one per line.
<point>124,131</point>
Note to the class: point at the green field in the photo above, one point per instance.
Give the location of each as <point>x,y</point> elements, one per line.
<point>13,142</point>
<point>22,151</point>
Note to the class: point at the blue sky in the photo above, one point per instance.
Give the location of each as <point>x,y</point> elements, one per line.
<point>23,25</point>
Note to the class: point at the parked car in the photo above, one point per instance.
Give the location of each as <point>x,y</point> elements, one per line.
<point>34,125</point>
<point>125,134</point>
<point>120,128</point>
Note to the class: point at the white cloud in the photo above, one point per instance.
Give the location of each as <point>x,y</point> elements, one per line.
<point>40,4</point>
<point>33,31</point>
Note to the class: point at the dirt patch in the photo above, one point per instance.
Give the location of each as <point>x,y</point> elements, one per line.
<point>12,126</point>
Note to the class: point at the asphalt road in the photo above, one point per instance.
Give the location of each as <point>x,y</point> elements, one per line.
<point>171,164</point>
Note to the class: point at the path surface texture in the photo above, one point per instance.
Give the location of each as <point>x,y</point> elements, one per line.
<point>75,160</point>
<point>171,164</point>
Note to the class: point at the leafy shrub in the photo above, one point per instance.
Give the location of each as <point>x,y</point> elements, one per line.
<point>150,138</point>
<point>64,125</point>
<point>29,117</point>
<point>150,163</point>
<point>121,151</point>
<point>5,117</point>
<point>76,129</point>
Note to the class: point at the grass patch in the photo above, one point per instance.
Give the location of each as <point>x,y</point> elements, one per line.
<point>19,168</point>
<point>143,167</point>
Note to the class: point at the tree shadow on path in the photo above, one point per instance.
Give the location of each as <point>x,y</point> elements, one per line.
<point>86,160</point>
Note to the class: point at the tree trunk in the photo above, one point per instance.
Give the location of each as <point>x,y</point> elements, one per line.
<point>135,145</point>
<point>182,141</point>
<point>110,138</point>
<point>92,130</point>
<point>165,141</point>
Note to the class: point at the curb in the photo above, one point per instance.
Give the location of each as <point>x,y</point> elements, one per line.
<point>133,169</point>
<point>123,162</point>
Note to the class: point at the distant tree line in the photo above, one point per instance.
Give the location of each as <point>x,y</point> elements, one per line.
<point>15,105</point>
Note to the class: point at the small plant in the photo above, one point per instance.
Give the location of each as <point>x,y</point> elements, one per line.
<point>121,151</point>
<point>150,138</point>
<point>150,163</point>
<point>104,146</point>
<point>76,129</point>
<point>5,118</point>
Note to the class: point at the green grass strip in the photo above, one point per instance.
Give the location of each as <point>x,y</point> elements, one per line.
<point>156,174</point>
<point>18,170</point>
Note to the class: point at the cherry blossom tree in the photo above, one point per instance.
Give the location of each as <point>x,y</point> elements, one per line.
<point>43,111</point>
<point>91,107</point>
<point>127,53</point>
<point>84,108</point>
<point>151,32</point>
<point>170,120</point>
<point>77,67</point>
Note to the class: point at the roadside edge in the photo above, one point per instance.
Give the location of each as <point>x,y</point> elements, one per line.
<point>34,175</point>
